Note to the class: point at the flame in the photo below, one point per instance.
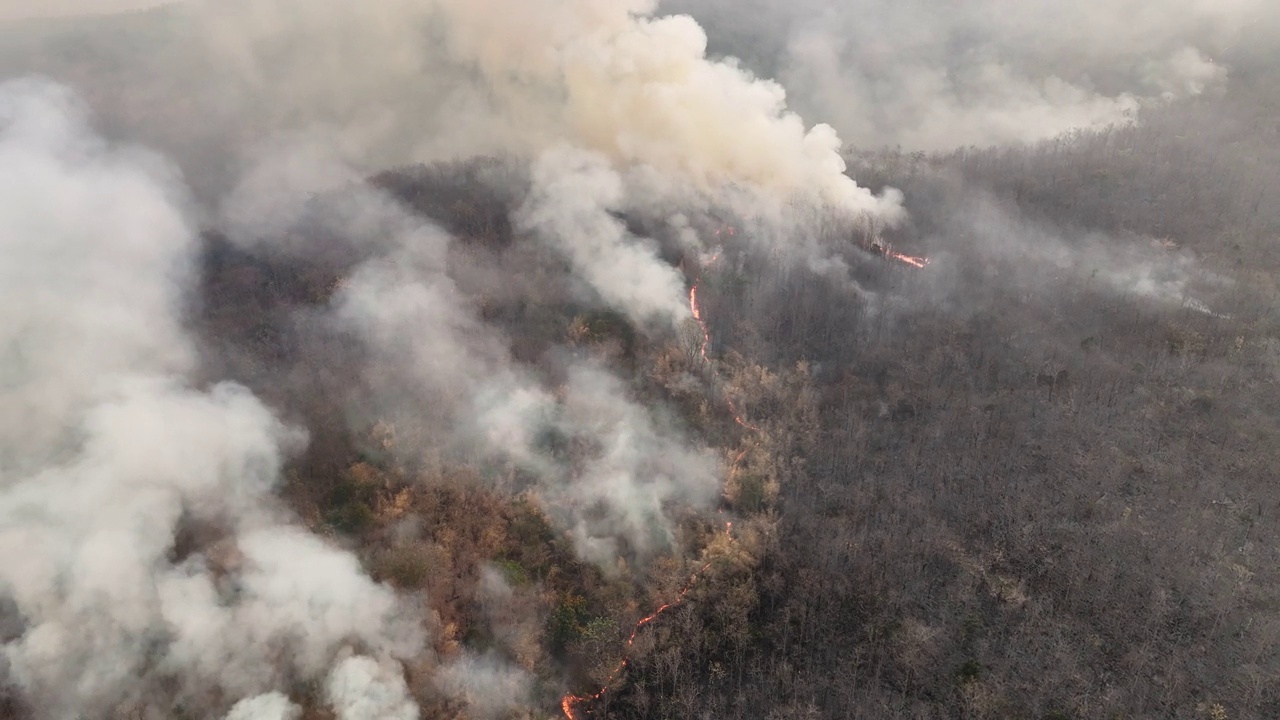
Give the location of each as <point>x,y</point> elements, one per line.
<point>569,702</point>
<point>697,315</point>
<point>737,416</point>
<point>908,259</point>
<point>880,247</point>
<point>696,310</point>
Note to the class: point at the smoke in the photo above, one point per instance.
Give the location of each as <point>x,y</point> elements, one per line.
<point>638,469</point>
<point>986,250</point>
<point>109,454</point>
<point>487,684</point>
<point>294,591</point>
<point>20,9</point>
<point>613,108</point>
<point>418,80</point>
<point>62,187</point>
<point>360,688</point>
<point>428,349</point>
<point>573,194</point>
<point>279,186</point>
<point>146,562</point>
<point>930,76</point>
<point>513,616</point>
<point>272,706</point>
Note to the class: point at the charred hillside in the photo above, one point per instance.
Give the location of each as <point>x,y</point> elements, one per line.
<point>1031,478</point>
<point>539,360</point>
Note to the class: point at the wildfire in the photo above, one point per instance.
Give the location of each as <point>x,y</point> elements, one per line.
<point>569,702</point>
<point>908,259</point>
<point>696,310</point>
<point>737,416</point>
<point>878,246</point>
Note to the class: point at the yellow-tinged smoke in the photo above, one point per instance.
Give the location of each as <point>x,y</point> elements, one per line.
<point>440,79</point>
<point>641,90</point>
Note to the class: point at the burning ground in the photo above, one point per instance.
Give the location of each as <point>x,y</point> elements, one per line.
<point>478,364</point>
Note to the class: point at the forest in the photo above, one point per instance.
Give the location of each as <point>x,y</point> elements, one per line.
<point>568,443</point>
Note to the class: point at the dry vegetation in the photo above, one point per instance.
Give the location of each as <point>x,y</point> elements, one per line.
<point>1010,493</point>
<point>985,503</point>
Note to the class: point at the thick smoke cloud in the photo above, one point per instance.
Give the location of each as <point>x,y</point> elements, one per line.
<point>573,194</point>
<point>427,347</point>
<point>449,382</point>
<point>145,562</point>
<point>22,9</point>
<point>929,76</point>
<point>108,452</point>
<point>601,97</point>
<point>360,688</point>
<point>639,468</point>
<point>419,80</point>
<point>61,188</point>
<point>271,706</point>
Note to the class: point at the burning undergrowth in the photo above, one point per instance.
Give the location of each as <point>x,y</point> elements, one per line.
<point>471,438</point>
<point>480,356</point>
<point>425,340</point>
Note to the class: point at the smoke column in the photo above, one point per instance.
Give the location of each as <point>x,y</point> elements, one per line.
<point>108,451</point>
<point>412,80</point>
<point>934,76</point>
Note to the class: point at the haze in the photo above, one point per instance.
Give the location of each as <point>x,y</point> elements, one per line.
<point>726,359</point>
<point>26,9</point>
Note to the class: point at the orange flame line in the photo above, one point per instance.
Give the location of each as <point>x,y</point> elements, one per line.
<point>908,259</point>
<point>697,315</point>
<point>569,702</point>
<point>696,309</point>
<point>737,416</point>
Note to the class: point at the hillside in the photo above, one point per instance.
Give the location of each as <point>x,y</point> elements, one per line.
<point>633,432</point>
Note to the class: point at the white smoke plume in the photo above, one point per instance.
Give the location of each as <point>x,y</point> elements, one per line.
<point>271,706</point>
<point>61,189</point>
<point>1033,257</point>
<point>573,194</point>
<point>429,350</point>
<point>107,451</point>
<point>361,688</point>
<point>423,80</point>
<point>641,90</point>
<point>488,685</point>
<point>639,468</point>
<point>294,592</point>
<point>513,617</point>
<point>928,76</point>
